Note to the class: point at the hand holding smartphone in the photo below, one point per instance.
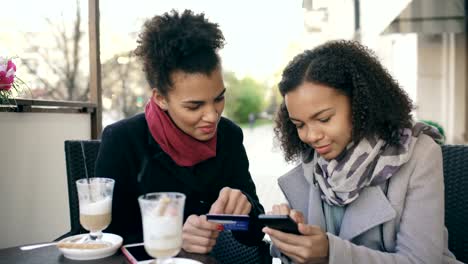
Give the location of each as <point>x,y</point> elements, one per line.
<point>283,223</point>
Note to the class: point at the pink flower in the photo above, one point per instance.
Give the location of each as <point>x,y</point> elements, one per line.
<point>7,73</point>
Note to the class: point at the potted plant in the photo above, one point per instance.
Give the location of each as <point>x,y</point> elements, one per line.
<point>10,84</point>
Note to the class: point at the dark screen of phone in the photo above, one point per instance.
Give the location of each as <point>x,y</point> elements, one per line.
<point>139,253</point>
<point>280,222</point>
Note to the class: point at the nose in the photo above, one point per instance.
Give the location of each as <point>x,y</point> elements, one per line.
<point>313,135</point>
<point>211,115</point>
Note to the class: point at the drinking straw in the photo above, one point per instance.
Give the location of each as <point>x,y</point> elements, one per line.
<point>84,161</point>
<point>86,170</point>
<point>164,202</point>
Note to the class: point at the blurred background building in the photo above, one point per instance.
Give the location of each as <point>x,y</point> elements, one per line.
<point>421,42</point>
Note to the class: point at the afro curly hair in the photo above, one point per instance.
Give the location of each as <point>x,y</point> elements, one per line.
<point>173,41</point>
<point>379,106</point>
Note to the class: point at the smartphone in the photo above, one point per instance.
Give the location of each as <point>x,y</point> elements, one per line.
<point>136,253</point>
<point>283,223</point>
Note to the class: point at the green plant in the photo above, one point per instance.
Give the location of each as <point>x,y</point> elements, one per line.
<point>243,97</point>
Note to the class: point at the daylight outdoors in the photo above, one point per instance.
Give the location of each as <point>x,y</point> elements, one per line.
<point>77,78</point>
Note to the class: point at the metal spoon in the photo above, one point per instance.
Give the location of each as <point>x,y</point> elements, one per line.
<point>38,246</point>
<point>76,240</point>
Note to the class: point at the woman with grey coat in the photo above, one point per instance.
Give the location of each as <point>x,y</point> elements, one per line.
<point>369,185</point>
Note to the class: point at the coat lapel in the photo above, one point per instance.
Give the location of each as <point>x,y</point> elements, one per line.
<point>315,208</point>
<point>370,209</point>
<point>315,214</point>
<point>303,196</point>
<point>295,188</point>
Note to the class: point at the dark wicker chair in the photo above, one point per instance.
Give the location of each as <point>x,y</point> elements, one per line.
<point>76,170</point>
<point>227,249</point>
<point>456,198</point>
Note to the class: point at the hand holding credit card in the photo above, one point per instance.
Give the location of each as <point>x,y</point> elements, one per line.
<point>230,222</point>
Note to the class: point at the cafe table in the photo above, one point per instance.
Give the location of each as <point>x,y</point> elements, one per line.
<point>51,255</point>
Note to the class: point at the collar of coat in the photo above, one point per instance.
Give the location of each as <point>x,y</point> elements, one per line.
<point>369,210</point>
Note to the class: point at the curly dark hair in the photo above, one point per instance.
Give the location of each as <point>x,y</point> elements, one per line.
<point>174,41</point>
<point>379,106</point>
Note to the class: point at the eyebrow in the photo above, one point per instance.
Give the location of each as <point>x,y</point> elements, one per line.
<point>201,102</point>
<point>312,116</point>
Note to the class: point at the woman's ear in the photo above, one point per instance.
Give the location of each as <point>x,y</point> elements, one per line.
<point>159,99</point>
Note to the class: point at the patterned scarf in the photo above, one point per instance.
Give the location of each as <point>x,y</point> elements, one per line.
<point>368,163</point>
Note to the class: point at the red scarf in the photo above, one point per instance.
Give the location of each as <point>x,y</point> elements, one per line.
<point>185,150</point>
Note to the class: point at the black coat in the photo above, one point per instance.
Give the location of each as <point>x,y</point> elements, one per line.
<point>131,156</point>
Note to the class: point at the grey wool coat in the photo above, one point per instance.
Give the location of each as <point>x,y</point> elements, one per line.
<point>405,225</point>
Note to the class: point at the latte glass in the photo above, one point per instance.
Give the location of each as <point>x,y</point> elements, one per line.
<point>162,216</point>
<point>95,202</point>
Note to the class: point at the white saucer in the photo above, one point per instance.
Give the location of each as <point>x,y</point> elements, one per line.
<point>88,254</point>
<point>174,260</point>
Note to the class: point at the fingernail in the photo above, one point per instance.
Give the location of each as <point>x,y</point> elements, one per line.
<point>220,227</point>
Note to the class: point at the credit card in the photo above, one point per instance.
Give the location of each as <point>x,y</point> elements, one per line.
<point>230,222</point>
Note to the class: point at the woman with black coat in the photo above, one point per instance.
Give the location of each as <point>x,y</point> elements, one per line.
<point>181,143</point>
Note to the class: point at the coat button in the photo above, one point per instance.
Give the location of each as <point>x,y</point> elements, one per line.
<point>202,202</point>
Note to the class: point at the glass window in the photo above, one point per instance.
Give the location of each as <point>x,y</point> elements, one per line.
<point>48,41</point>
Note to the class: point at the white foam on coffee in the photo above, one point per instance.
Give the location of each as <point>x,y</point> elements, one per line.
<point>103,206</point>
<point>162,232</point>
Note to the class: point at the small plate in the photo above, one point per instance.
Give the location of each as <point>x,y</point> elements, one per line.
<point>174,261</point>
<point>88,254</point>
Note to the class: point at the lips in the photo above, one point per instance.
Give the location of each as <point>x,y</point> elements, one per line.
<point>208,129</point>
<point>323,149</point>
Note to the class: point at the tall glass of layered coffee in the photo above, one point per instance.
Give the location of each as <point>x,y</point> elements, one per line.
<point>95,202</point>
<point>162,216</point>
